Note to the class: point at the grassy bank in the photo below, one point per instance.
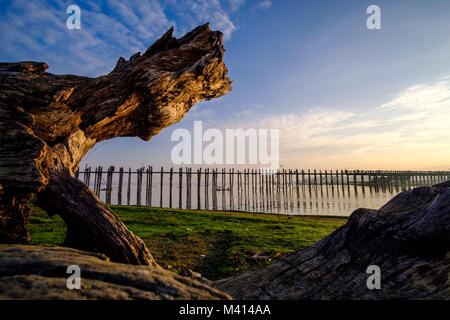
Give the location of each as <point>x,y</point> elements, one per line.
<point>216,244</point>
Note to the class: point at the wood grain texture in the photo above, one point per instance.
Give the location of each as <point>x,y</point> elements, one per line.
<point>40,273</point>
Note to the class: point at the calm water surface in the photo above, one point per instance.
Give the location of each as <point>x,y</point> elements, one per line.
<point>330,200</point>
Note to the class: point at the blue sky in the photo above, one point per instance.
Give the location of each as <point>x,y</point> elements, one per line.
<point>343,96</point>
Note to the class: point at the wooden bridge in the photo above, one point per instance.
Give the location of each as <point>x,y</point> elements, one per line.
<point>235,188</point>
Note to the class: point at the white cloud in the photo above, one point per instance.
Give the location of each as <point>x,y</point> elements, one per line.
<point>409,131</point>
<point>426,97</point>
<point>201,11</point>
<point>236,4</point>
<point>263,5</point>
<point>223,23</point>
<point>36,31</point>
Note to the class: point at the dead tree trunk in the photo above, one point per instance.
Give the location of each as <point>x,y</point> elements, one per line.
<point>91,225</point>
<point>49,122</point>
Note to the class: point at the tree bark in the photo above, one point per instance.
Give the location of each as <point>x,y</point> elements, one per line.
<point>14,218</point>
<point>91,225</point>
<point>49,122</point>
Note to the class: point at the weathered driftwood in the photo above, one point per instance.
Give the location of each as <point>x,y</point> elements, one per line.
<point>35,272</point>
<point>408,238</point>
<point>48,123</point>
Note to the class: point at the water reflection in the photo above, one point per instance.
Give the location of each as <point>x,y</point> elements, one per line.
<point>293,193</point>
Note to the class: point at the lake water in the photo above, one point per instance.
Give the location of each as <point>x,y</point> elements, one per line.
<point>252,195</point>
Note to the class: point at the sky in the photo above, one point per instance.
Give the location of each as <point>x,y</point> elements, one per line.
<point>342,96</point>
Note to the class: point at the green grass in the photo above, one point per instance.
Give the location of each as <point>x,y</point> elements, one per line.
<point>45,230</point>
<point>216,244</point>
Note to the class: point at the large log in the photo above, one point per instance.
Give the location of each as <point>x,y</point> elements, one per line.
<point>49,122</point>
<point>40,273</point>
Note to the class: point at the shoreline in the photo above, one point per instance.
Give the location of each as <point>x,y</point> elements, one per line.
<point>213,243</point>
